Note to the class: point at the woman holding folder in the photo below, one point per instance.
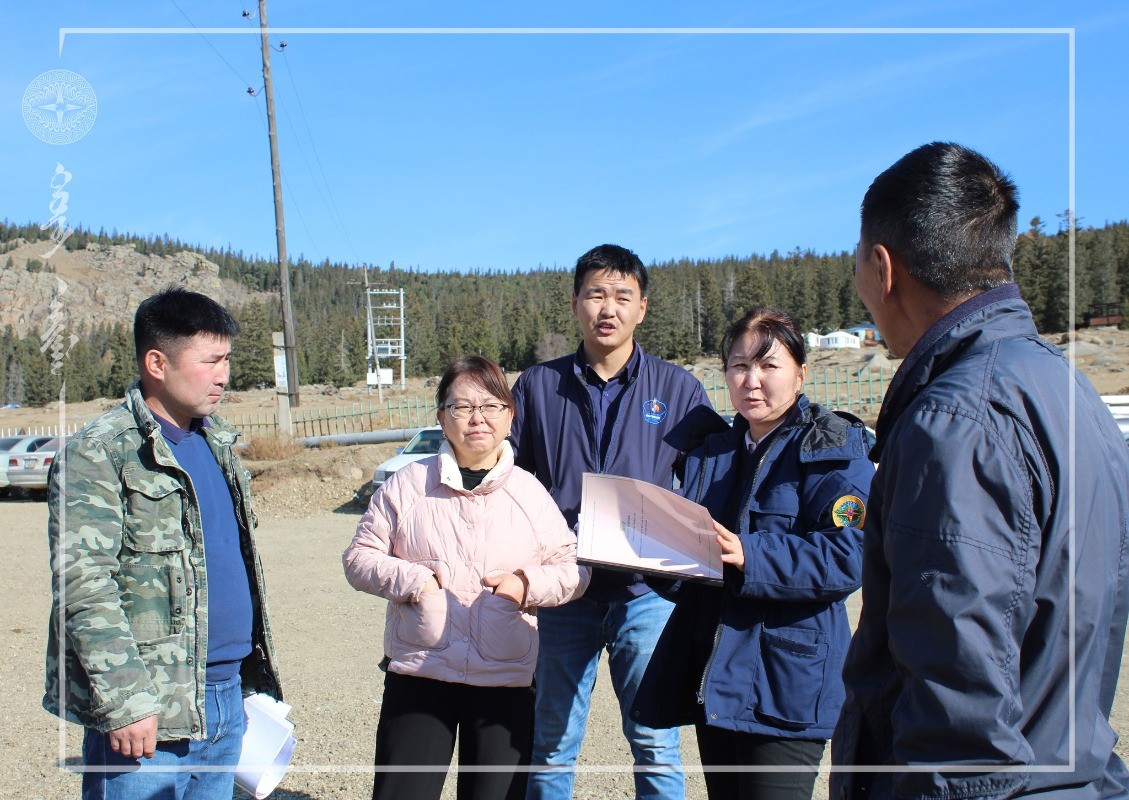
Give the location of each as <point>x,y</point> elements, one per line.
<point>465,547</point>
<point>754,664</point>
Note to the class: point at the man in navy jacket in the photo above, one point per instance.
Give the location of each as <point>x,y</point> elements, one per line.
<point>996,547</point>
<point>608,409</point>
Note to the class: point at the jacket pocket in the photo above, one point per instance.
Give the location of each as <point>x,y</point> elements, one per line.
<point>154,511</point>
<point>153,599</point>
<point>174,679</point>
<point>151,578</point>
<point>425,624</point>
<point>500,631</point>
<point>789,682</point>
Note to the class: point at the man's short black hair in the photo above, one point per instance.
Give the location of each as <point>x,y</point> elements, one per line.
<point>949,214</point>
<point>614,259</point>
<point>167,319</point>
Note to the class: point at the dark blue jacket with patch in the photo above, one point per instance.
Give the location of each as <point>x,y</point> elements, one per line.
<point>763,653</point>
<point>554,434</point>
<point>999,519</point>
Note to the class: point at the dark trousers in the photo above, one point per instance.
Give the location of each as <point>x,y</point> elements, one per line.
<point>419,718</point>
<point>724,748</point>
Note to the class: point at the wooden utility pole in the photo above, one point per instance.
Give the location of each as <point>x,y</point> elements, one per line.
<point>279,222</point>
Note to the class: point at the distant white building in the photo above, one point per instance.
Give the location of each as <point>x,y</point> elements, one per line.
<point>839,339</point>
<point>811,340</point>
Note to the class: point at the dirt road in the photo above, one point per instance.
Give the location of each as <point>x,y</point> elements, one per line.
<point>329,641</point>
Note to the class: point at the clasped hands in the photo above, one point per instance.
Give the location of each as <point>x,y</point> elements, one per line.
<point>504,584</point>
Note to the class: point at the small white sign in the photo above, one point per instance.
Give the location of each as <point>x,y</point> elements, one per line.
<point>382,377</point>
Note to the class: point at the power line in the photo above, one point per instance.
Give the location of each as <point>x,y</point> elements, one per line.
<point>242,80</point>
<point>336,216</point>
<point>313,145</point>
<point>286,185</point>
<point>301,150</point>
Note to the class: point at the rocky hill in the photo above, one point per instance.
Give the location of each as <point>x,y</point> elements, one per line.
<point>103,284</point>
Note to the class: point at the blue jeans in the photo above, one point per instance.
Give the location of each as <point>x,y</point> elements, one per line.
<point>184,769</point>
<point>572,637</point>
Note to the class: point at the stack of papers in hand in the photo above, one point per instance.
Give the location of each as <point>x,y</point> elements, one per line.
<point>268,745</point>
<point>629,524</point>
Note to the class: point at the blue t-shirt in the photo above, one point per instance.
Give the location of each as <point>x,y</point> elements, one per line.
<point>229,588</point>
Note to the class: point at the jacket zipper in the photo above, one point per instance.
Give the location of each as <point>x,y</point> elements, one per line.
<point>717,631</point>
<point>597,435</point>
<point>590,412</point>
<point>621,407</point>
<point>709,663</point>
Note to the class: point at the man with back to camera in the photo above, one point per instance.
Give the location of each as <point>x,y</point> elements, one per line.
<point>996,550</point>
<point>607,409</point>
<point>158,623</point>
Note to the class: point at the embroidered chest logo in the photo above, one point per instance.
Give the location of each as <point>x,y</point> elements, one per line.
<point>848,511</point>
<point>654,411</point>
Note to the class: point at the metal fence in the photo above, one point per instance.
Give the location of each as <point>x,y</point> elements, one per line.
<point>40,430</point>
<point>852,390</point>
<point>401,412</point>
<point>842,388</point>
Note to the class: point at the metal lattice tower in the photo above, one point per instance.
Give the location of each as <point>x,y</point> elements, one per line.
<point>384,313</point>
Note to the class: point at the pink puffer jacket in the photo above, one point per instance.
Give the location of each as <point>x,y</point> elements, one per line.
<point>423,523</point>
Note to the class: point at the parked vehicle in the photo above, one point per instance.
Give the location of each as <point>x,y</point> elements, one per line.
<point>28,469</point>
<point>423,444</point>
<point>6,444</point>
<point>1118,405</point>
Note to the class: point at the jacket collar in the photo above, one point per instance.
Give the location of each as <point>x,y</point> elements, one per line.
<point>826,434</point>
<point>631,368</point>
<point>989,316</point>
<point>214,426</point>
<point>450,476</point>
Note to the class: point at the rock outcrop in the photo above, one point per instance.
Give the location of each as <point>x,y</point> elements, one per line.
<point>100,284</point>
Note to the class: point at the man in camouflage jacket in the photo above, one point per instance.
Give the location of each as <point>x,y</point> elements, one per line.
<point>128,647</point>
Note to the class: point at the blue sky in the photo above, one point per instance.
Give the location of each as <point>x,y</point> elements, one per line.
<point>469,150</point>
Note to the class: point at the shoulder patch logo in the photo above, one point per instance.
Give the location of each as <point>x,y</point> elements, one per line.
<point>654,411</point>
<point>848,510</point>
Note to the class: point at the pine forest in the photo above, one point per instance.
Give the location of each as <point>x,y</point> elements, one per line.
<point>522,317</point>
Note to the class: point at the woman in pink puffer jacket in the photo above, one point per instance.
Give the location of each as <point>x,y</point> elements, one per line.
<point>465,547</point>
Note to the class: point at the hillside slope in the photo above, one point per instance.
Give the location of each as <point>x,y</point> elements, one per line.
<point>103,284</point>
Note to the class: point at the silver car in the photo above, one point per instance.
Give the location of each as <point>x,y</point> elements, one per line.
<point>423,444</point>
<point>6,444</point>
<point>28,469</point>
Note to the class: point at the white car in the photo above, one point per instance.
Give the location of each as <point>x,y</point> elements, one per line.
<point>6,444</point>
<point>423,444</point>
<point>30,470</point>
<point>13,455</point>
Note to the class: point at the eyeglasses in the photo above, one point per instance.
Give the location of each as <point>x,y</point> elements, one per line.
<point>487,410</point>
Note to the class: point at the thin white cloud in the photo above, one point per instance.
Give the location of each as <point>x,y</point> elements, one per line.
<point>842,90</point>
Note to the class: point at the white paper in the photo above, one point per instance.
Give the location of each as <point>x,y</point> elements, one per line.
<point>267,745</point>
<point>634,525</point>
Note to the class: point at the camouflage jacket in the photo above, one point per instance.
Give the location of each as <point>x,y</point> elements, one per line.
<point>128,633</point>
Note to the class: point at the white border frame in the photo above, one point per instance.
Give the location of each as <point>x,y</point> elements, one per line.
<point>1070,33</point>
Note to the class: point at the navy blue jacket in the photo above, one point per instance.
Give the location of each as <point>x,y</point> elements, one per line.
<point>763,653</point>
<point>997,509</point>
<point>554,432</point>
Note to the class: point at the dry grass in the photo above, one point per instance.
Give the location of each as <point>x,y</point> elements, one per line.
<point>271,448</point>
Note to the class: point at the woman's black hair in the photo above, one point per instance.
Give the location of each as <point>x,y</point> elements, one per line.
<point>770,325</point>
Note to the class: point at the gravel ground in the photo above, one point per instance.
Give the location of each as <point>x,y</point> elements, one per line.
<point>328,638</point>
